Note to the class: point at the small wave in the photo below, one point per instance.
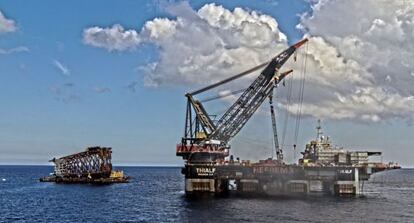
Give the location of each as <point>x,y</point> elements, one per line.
<point>402,188</point>
<point>371,192</point>
<point>180,192</point>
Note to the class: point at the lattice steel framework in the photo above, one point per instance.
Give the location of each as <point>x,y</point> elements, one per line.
<point>95,162</point>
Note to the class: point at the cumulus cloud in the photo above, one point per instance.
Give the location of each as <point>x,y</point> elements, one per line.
<point>112,38</point>
<point>6,25</point>
<point>359,56</point>
<point>62,68</point>
<point>18,49</point>
<point>214,43</point>
<point>205,45</point>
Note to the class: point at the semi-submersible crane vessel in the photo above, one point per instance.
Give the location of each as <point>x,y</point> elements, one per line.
<point>205,146</point>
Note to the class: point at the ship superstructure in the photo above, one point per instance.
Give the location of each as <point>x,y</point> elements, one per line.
<point>321,152</point>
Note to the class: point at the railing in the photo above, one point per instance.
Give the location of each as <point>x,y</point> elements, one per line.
<point>185,149</point>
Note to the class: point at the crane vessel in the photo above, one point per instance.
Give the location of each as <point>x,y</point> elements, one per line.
<point>205,148</point>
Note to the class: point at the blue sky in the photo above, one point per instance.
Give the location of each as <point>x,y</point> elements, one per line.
<point>60,95</point>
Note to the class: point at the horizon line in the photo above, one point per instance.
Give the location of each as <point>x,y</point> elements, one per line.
<point>116,165</point>
<point>137,165</point>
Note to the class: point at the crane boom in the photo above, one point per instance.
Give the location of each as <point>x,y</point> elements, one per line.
<point>240,112</point>
<point>204,131</point>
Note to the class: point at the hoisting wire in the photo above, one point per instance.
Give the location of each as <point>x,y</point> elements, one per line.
<point>229,79</point>
<point>223,95</point>
<point>301,94</point>
<point>286,118</point>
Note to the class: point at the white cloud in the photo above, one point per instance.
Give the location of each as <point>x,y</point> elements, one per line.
<point>159,28</point>
<point>364,53</point>
<point>18,49</point>
<point>212,43</point>
<point>113,38</point>
<point>6,25</point>
<point>62,68</point>
<point>201,46</point>
<point>359,57</point>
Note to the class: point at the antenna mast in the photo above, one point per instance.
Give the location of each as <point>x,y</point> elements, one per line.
<point>318,130</point>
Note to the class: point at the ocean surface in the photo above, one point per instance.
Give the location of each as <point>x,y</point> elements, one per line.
<point>156,194</point>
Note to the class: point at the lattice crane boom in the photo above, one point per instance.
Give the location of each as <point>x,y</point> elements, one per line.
<point>240,112</point>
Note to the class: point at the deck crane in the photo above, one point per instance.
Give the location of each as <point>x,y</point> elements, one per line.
<point>205,140</point>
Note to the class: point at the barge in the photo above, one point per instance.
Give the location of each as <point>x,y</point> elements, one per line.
<point>92,166</point>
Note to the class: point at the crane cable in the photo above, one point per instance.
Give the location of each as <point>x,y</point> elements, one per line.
<point>286,118</point>
<point>223,95</point>
<point>300,99</point>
